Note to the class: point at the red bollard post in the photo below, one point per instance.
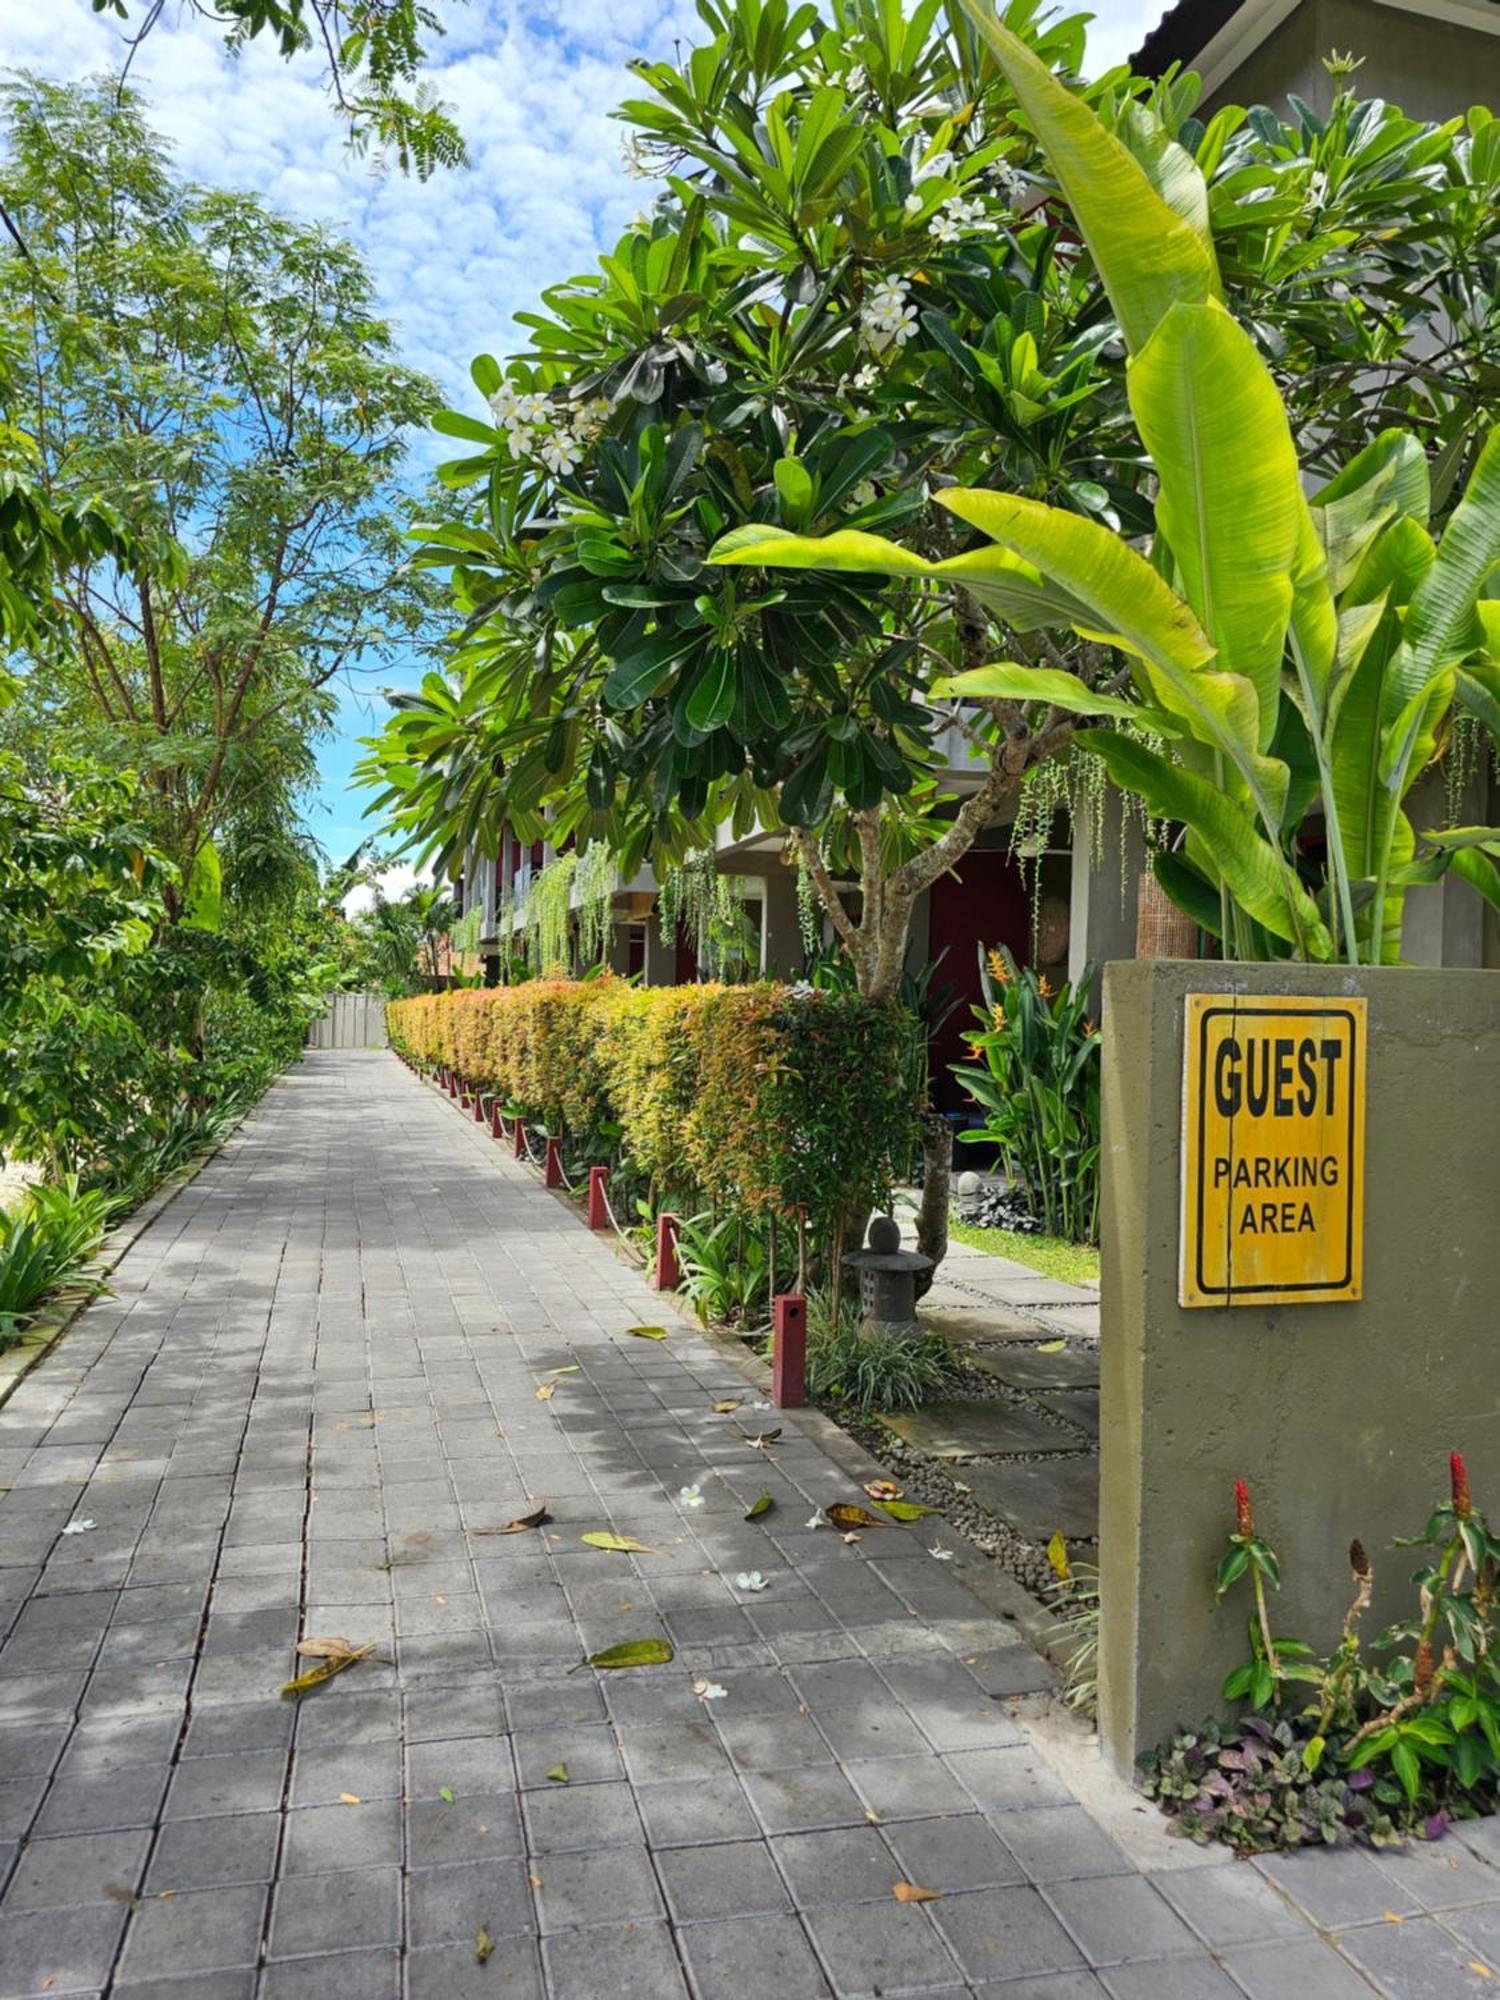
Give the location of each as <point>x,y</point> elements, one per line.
<point>497,1123</point>
<point>552,1173</point>
<point>520,1149</point>
<point>668,1276</point>
<point>452,1084</point>
<point>479,1107</point>
<point>598,1213</point>
<point>789,1352</point>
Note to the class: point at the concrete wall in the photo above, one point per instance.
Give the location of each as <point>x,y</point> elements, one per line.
<point>1432,69</point>
<point>1341,1417</point>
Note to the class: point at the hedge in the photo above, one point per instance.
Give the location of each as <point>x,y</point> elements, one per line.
<point>762,1099</point>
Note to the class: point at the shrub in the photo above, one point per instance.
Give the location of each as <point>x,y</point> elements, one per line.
<point>43,1243</point>
<point>752,1101</point>
<point>871,1368</point>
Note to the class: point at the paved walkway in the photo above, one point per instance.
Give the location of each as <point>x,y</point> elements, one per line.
<point>308,1406</point>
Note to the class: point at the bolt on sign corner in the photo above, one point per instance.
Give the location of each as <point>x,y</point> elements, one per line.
<point>1273,1146</point>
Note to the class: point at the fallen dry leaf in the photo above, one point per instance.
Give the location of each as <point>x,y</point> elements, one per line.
<point>1052,1347</point>
<point>559,1774</point>
<point>634,1653</point>
<point>913,1892</point>
<point>324,1649</point>
<point>291,1690</point>
<point>521,1522</point>
<point>762,1440</point>
<point>119,1893</point>
<point>546,1392</point>
<point>350,1799</point>
<point>846,1514</point>
<point>484,1944</point>
<point>648,1332</point>
<point>618,1544</point>
<point>882,1489</point>
<point>1392,1918</point>
<point>1483,1970</point>
<point>729,1403</point>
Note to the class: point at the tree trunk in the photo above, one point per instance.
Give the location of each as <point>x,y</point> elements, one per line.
<point>937,1178</point>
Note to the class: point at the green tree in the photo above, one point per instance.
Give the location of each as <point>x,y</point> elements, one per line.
<point>373,51</point>
<point>219,374</point>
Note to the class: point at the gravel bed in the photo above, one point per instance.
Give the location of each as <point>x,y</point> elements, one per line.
<point>923,1480</point>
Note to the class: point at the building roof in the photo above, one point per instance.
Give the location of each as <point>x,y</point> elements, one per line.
<point>1186,30</point>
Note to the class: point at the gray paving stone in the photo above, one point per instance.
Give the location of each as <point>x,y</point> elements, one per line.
<point>1004,1780</point>
<point>627,1961</point>
<point>561,1819</point>
<point>251,1782</point>
<point>1195,1978</point>
<point>1227,1906</point>
<point>201,1854</point>
<point>797,1800</point>
<point>731,1879</point>
<point>1037,1496</point>
<point>1306,1967</point>
<point>1004,1933</point>
<point>1415,1960</point>
<point>195,1986</point>
<point>76,1868</point>
<point>449,1904</point>
<point>752,1954</point>
<point>882,1947</point>
<point>450,1972</point>
<point>1115,1917</point>
<point>347,1975</point>
<point>362,1908</point>
<point>955,1431</point>
<point>694,1809</point>
<point>1344,1887</point>
<point>604,1885</point>
<point>948,1854</point>
<point>202,1931</point>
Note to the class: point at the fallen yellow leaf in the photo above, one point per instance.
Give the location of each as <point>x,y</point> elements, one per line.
<point>349,1798</point>
<point>546,1392</point>
<point>913,1892</point>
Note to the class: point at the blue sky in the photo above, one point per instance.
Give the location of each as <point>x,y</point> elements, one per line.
<point>454,259</point>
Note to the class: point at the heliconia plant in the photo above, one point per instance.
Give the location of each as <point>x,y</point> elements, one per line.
<point>1290,666</point>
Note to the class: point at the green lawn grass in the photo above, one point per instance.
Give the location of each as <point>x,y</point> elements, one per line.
<point>1070,1263</point>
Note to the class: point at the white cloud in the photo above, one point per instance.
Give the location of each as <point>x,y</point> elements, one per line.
<point>1118,29</point>
<point>394,883</point>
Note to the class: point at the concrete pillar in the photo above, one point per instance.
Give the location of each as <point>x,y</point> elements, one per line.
<point>1102,901</point>
<point>661,958</point>
<point>1340,1416</point>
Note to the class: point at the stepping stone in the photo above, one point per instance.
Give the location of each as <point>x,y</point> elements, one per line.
<point>1079,1407</point>
<point>1037,1496</point>
<point>1075,1366</point>
<point>971,1322</point>
<point>974,1430</point>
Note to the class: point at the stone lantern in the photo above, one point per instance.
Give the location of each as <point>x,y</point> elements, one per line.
<point>888,1278</point>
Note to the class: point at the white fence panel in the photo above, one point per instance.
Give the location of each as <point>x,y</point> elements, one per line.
<point>353,1021</point>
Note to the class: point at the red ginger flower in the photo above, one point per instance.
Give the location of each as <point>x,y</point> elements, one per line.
<point>1244,1519</point>
<point>1462,1504</point>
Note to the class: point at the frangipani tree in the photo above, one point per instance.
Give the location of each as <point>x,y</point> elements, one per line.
<point>1283,659</point>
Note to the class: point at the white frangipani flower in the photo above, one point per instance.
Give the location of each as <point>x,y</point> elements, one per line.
<point>937,168</point>
<point>958,217</point>
<point>709,1690</point>
<point>690,1496</point>
<point>864,495</point>
<point>561,452</point>
<point>750,1579</point>
<point>887,316</point>
<point>816,1521</point>
<point>636,158</point>
<point>866,377</point>
<point>79,1527</point>
<point>941,1555</point>
<point>914,203</point>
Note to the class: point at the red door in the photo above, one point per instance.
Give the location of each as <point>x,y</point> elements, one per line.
<point>985,901</point>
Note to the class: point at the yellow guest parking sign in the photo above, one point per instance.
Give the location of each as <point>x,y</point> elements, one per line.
<point>1273,1141</point>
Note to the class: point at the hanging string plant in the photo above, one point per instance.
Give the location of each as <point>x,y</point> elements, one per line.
<point>593,904</point>
<point>548,914</point>
<point>809,909</point>
<point>710,908</point>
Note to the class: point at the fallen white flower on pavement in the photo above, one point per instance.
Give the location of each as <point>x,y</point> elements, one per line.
<point>690,1496</point>
<point>817,1520</point>
<point>750,1579</point>
<point>709,1690</point>
<point>941,1555</point>
<point>79,1527</point>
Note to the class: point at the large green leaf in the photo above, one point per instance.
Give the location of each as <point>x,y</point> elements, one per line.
<point>1148,255</point>
<point>1002,581</point>
<point>1009,680</point>
<point>1230,501</point>
<point>1442,624</point>
<point>1256,874</point>
<point>1388,478</point>
<point>1134,607</point>
<point>203,898</point>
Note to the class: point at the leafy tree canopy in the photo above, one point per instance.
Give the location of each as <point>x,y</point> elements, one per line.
<point>373,53</point>
<point>859,284</point>
<point>218,374</point>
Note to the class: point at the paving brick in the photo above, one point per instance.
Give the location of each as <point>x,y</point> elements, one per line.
<point>449,1904</point>
<point>347,1975</point>
<point>198,1932</point>
<point>1114,1917</point>
<point>76,1868</point>
<point>882,1946</point>
<point>753,1954</point>
<point>1004,1933</point>
<point>450,1972</point>
<point>730,1879</point>
<point>627,1961</point>
<point>312,1913</point>
<point>201,1854</point>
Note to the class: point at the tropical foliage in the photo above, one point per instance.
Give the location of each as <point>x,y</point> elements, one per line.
<point>1401,1734</point>
<point>1038,1091</point>
<point>1276,663</point>
<point>857,288</point>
